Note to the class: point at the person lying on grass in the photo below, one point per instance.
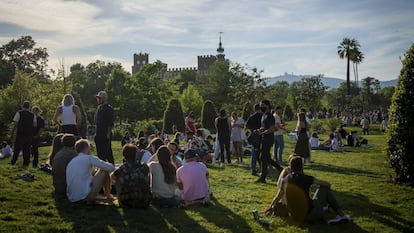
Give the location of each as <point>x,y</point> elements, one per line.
<point>83,185</point>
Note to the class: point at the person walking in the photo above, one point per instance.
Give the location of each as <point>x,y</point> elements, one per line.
<point>267,129</point>
<point>253,124</point>
<point>24,123</point>
<point>104,124</point>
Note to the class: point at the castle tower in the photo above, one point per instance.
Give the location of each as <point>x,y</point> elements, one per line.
<point>140,59</point>
<point>220,50</point>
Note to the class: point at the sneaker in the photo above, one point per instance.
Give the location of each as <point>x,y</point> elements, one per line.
<point>260,180</point>
<point>340,219</point>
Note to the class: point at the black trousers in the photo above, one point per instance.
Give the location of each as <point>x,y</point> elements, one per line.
<point>104,148</point>
<point>22,143</point>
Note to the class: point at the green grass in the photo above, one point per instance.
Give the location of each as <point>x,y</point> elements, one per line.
<point>360,179</point>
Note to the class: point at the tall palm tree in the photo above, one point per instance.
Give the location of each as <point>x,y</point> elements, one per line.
<point>356,58</point>
<point>345,50</point>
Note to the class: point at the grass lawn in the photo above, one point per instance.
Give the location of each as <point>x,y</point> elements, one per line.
<point>360,179</point>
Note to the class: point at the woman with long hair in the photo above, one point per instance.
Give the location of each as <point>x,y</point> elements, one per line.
<point>69,114</point>
<point>163,179</point>
<point>57,145</point>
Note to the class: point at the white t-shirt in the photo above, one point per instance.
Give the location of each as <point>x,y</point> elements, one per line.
<point>334,144</point>
<point>79,177</point>
<point>314,142</point>
<point>278,122</point>
<point>6,152</point>
<point>158,185</point>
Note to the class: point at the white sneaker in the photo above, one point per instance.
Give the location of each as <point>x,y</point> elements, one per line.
<point>340,219</point>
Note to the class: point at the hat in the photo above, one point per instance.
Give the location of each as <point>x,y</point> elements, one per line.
<point>190,154</point>
<point>102,94</point>
<point>26,104</point>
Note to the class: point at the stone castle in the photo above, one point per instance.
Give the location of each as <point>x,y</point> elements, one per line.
<point>203,63</point>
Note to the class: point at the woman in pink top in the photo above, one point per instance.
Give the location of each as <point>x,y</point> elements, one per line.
<point>190,123</point>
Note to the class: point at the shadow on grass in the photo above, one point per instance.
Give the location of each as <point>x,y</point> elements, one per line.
<point>360,206</point>
<point>337,169</point>
<point>107,219</point>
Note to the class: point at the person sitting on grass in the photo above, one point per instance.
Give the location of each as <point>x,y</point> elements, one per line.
<point>192,180</point>
<point>132,179</point>
<point>61,161</point>
<point>57,145</point>
<point>82,185</point>
<point>163,179</point>
<point>6,150</point>
<point>301,207</point>
<point>316,145</point>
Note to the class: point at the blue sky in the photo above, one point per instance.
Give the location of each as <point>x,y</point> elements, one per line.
<point>294,36</point>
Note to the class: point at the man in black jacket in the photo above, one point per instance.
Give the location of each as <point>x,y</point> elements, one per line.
<point>253,124</point>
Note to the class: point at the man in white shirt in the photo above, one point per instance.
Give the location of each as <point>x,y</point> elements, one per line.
<point>84,183</point>
<point>279,143</point>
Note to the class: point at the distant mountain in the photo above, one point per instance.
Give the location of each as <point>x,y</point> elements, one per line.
<point>327,81</point>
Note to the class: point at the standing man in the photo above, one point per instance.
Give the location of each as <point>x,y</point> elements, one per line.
<point>267,129</point>
<point>24,123</point>
<point>279,143</point>
<point>223,126</point>
<point>104,124</point>
<point>38,128</point>
<point>253,123</point>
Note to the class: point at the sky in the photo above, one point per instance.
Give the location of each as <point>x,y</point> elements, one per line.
<point>277,36</point>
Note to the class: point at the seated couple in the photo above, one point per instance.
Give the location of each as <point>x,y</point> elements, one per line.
<point>294,196</point>
<point>331,144</point>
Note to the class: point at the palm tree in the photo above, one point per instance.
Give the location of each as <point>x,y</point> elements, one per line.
<point>345,50</point>
<point>356,58</point>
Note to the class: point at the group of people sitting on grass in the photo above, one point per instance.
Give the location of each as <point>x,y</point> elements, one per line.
<point>146,176</point>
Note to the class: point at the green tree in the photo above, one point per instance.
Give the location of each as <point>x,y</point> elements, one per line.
<point>356,57</point>
<point>400,136</point>
<point>148,90</point>
<point>22,88</point>
<point>345,50</point>
<point>370,88</point>
<point>191,100</point>
<point>311,91</point>
<point>122,96</point>
<point>24,56</point>
<point>208,116</point>
<point>173,116</point>
<point>215,83</point>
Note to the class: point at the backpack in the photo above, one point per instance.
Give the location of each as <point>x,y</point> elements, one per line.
<point>254,139</point>
<point>135,189</point>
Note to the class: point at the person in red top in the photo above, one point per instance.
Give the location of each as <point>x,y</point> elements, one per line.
<point>190,123</point>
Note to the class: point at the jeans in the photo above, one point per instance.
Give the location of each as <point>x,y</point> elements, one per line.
<point>170,202</point>
<point>278,146</point>
<point>255,154</point>
<point>322,197</point>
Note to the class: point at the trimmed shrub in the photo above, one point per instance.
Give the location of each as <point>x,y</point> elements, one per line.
<point>208,116</point>
<point>173,116</point>
<point>333,123</point>
<point>400,130</point>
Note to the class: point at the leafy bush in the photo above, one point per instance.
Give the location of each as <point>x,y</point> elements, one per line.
<point>333,123</point>
<point>400,135</point>
<point>317,126</point>
<point>173,116</point>
<point>208,115</point>
<point>148,126</point>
